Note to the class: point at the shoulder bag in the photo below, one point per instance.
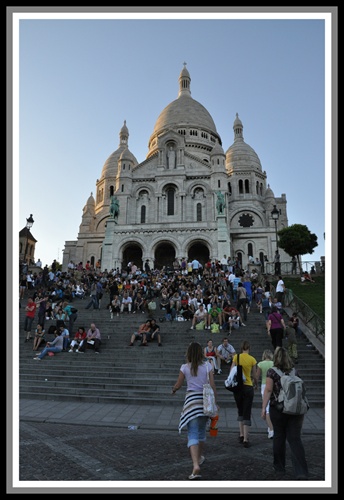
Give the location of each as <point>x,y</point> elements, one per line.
<point>236,378</point>
<point>209,405</point>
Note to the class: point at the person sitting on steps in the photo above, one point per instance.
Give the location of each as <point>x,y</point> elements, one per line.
<point>79,337</point>
<point>154,332</point>
<point>92,340</point>
<point>200,315</point>
<point>141,333</point>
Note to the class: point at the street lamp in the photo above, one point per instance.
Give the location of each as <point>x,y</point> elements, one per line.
<point>275,213</point>
<point>29,224</point>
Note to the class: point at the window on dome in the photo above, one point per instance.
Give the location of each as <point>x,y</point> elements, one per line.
<point>241,187</point>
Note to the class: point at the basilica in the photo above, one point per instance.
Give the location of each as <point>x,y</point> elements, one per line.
<point>189,198</point>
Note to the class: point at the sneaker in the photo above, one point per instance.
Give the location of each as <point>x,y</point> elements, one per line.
<point>191,328</point>
<point>201,460</point>
<point>270,434</point>
<point>96,352</point>
<point>159,345</point>
<point>246,444</point>
<point>241,439</point>
<point>71,350</point>
<point>131,344</point>
<point>220,327</point>
<point>81,352</point>
<point>243,324</point>
<point>219,372</point>
<point>37,359</point>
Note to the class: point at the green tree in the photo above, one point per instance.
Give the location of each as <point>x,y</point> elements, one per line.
<point>297,240</point>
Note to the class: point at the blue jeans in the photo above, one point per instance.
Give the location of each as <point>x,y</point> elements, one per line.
<point>94,302</point>
<point>288,428</point>
<point>196,430</point>
<point>49,349</point>
<point>28,324</point>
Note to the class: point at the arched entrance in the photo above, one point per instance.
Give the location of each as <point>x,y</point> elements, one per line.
<point>164,256</point>
<point>132,253</point>
<point>200,252</point>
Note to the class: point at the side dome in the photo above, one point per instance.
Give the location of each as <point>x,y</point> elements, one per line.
<point>240,155</point>
<point>110,167</point>
<point>183,114</point>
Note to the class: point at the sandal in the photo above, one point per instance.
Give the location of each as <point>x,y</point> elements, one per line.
<point>194,476</point>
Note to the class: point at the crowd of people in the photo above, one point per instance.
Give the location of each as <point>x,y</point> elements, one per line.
<point>205,296</point>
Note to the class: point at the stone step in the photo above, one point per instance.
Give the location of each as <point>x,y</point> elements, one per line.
<point>144,375</point>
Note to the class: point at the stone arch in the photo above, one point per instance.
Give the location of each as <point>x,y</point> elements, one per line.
<point>164,255</point>
<point>132,252</point>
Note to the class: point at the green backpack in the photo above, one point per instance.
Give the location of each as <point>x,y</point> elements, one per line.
<point>215,328</point>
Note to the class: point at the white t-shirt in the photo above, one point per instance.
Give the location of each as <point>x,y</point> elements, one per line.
<point>196,383</point>
<point>280,286</point>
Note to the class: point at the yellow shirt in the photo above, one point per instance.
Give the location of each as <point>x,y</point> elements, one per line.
<point>247,362</point>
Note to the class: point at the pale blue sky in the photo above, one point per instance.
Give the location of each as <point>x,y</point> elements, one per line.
<point>80,79</point>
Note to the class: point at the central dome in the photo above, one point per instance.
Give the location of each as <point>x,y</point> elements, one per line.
<point>184,112</point>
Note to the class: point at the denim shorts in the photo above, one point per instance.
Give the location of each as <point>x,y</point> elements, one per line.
<point>196,430</point>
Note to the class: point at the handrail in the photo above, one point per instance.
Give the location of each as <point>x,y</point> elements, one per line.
<point>308,316</point>
<point>312,267</point>
<point>310,319</point>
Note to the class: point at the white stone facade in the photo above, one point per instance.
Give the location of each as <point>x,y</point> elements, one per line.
<point>168,202</point>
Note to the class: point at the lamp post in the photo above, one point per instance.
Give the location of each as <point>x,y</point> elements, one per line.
<point>29,224</point>
<point>275,213</point>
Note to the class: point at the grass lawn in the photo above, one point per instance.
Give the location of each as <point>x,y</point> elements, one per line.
<point>313,294</point>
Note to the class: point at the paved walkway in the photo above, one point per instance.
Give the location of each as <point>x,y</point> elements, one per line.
<point>145,417</point>
<point>89,447</point>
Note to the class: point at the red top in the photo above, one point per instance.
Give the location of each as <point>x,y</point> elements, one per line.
<point>210,353</point>
<point>80,336</point>
<point>31,309</point>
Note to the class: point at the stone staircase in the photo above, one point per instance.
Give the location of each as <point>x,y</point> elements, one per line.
<point>143,375</point>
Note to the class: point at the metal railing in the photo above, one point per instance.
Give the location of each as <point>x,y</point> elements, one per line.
<point>312,267</point>
<point>306,314</point>
<point>310,319</point>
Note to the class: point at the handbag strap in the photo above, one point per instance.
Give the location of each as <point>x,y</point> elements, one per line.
<point>207,372</point>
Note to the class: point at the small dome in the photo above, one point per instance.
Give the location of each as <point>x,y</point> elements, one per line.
<point>269,193</point>
<point>91,201</point>
<point>110,167</point>
<point>239,154</point>
<point>127,155</point>
<point>217,150</point>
